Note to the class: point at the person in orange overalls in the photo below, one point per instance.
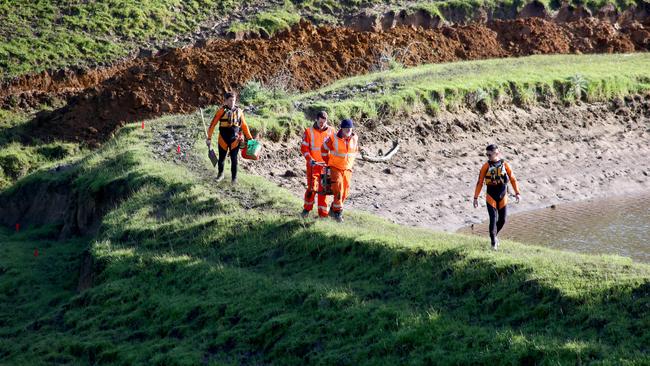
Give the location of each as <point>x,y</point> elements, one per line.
<point>496,173</point>
<point>339,152</point>
<point>231,125</point>
<point>312,141</point>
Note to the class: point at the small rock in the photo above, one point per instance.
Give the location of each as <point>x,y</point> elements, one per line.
<point>622,111</point>
<point>387,171</point>
<point>145,53</point>
<point>618,103</point>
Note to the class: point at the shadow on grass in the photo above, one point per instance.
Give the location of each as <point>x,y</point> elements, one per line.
<point>481,304</point>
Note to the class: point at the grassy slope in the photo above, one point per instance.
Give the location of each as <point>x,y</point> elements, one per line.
<point>54,33</point>
<point>432,88</point>
<point>187,275</point>
<point>270,21</point>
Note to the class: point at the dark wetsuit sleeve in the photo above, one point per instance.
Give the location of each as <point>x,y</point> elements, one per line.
<point>481,178</point>
<point>512,178</point>
<point>244,128</point>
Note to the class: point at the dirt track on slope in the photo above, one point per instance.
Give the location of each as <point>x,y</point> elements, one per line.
<point>305,58</point>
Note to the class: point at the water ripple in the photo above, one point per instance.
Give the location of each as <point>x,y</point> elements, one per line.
<point>618,225</point>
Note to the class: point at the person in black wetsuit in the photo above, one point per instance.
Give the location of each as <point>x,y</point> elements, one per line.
<point>231,126</point>
<point>496,173</point>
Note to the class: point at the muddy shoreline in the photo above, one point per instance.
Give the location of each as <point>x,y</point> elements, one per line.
<point>559,154</point>
<point>617,225</point>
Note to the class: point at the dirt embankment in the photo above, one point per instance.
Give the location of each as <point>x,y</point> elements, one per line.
<point>74,213</point>
<point>304,58</point>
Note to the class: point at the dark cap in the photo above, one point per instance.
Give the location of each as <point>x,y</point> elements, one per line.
<point>347,123</point>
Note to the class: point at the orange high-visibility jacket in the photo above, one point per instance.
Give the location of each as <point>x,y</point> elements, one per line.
<point>313,140</point>
<point>339,152</point>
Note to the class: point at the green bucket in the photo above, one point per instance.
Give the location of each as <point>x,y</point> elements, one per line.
<point>252,150</point>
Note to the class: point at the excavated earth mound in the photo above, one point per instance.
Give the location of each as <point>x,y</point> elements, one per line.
<point>304,58</point>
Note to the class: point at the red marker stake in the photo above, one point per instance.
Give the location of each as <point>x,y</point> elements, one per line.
<point>17,227</point>
<point>35,252</point>
<point>178,149</point>
<point>143,125</point>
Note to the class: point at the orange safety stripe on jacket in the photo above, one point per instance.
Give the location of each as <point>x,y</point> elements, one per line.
<point>312,141</point>
<point>481,179</point>
<point>236,119</point>
<point>340,152</point>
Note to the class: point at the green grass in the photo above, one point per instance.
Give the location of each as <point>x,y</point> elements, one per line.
<point>270,22</point>
<point>48,34</point>
<point>189,272</point>
<point>18,158</point>
<point>428,89</point>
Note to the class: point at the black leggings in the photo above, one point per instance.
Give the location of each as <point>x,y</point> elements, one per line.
<point>234,153</point>
<point>497,220</point>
